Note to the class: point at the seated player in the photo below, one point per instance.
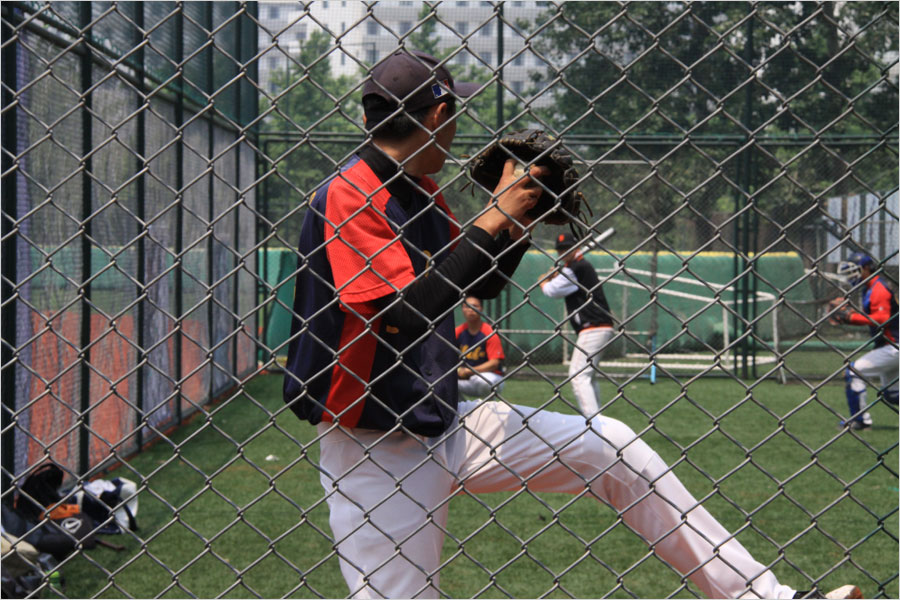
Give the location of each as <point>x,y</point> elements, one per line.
<point>482,353</point>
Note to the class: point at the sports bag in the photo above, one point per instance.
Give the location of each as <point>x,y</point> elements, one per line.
<point>100,498</point>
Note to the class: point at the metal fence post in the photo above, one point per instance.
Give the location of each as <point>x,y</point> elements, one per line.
<point>209,84</point>
<point>141,288</point>
<point>85,13</point>
<point>742,223</point>
<point>9,279</point>
<point>262,283</point>
<point>235,294</point>
<point>499,12</point>
<point>179,211</point>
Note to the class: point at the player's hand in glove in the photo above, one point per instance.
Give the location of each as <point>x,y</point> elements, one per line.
<point>840,312</point>
<point>559,202</point>
<point>515,195</point>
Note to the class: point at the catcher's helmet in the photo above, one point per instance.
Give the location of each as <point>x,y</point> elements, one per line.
<point>850,270</point>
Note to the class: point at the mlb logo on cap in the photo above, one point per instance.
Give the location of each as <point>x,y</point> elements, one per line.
<point>414,79</point>
<point>439,89</point>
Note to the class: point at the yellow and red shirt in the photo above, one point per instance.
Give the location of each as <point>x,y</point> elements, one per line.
<point>479,347</point>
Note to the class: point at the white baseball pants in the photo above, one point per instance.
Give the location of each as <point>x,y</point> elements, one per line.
<point>388,496</point>
<point>480,385</point>
<point>877,367</point>
<point>583,367</point>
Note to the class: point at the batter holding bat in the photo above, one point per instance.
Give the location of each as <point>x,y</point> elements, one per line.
<point>373,363</point>
<point>588,311</point>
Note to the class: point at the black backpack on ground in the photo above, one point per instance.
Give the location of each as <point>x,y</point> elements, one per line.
<point>59,537</point>
<point>40,491</point>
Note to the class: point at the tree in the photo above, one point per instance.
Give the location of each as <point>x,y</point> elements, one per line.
<point>305,116</point>
<point>424,37</point>
<point>701,78</point>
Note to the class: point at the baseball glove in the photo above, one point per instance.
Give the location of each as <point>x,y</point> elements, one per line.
<point>560,203</point>
<point>841,312</point>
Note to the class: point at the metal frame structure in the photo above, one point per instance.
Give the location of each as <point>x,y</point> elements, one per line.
<point>149,178</point>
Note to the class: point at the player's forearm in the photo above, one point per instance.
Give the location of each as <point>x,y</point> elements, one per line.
<point>429,298</point>
<point>467,371</point>
<point>560,286</point>
<point>510,253</point>
<point>873,318</point>
<point>488,365</point>
<point>855,318</point>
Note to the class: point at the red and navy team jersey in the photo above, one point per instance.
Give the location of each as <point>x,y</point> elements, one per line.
<point>359,244</point>
<point>880,305</point>
<point>480,347</point>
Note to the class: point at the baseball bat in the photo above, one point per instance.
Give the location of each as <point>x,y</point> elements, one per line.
<point>597,240</point>
<point>584,247</point>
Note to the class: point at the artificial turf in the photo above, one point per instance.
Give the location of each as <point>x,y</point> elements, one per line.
<point>232,505</point>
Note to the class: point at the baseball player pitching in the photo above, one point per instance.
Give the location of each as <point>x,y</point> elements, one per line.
<point>373,363</point>
<point>879,313</point>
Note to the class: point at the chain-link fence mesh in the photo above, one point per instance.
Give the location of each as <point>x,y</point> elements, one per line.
<point>159,160</point>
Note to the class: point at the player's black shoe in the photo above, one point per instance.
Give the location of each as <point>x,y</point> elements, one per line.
<point>844,592</point>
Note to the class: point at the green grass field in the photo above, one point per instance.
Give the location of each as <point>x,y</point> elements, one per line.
<point>219,518</point>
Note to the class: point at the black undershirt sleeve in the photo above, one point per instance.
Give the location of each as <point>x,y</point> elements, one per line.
<point>468,268</point>
<point>509,255</point>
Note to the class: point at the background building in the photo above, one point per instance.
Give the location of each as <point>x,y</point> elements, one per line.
<point>465,30</point>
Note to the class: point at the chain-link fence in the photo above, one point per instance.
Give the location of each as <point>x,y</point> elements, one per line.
<point>160,160</point>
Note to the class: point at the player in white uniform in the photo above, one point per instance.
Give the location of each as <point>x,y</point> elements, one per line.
<point>372,363</point>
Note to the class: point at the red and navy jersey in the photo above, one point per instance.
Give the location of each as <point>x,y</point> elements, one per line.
<point>480,347</point>
<point>358,244</point>
<point>879,302</point>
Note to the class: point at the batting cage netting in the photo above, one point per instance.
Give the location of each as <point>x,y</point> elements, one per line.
<point>174,270</point>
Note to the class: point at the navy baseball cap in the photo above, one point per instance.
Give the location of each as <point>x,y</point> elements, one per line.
<point>564,240</point>
<point>850,270</point>
<point>416,79</point>
<point>861,258</point>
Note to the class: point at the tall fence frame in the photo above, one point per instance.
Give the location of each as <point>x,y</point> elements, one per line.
<point>157,164</point>
<point>188,108</point>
